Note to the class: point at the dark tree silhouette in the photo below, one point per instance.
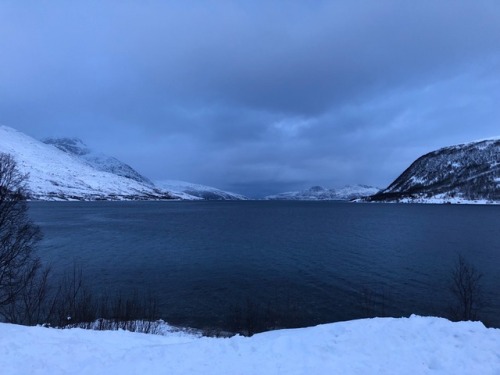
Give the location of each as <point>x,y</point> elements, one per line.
<point>466,291</point>
<point>19,265</point>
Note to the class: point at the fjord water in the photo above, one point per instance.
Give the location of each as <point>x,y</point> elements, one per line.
<point>314,262</point>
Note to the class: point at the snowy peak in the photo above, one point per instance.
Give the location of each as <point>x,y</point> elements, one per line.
<point>73,146</point>
<point>99,161</point>
<point>463,173</point>
<point>317,193</point>
<point>188,190</point>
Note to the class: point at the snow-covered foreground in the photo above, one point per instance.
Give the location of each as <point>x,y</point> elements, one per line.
<point>415,345</point>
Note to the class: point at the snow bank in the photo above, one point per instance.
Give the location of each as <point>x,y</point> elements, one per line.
<point>414,345</point>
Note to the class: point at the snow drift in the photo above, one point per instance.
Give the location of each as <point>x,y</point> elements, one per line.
<point>415,345</point>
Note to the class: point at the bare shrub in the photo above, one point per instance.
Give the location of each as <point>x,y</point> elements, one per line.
<point>22,286</point>
<point>371,302</point>
<point>73,301</point>
<point>253,317</point>
<point>74,304</point>
<point>32,305</point>
<point>25,296</point>
<point>466,291</point>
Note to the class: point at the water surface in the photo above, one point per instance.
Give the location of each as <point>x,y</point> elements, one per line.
<point>313,262</point>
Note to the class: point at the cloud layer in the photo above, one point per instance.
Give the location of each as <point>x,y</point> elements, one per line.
<point>257,97</point>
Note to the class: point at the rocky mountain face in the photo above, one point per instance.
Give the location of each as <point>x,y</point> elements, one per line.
<point>464,173</point>
<point>317,193</point>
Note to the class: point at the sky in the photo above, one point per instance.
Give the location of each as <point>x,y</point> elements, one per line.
<point>255,97</point>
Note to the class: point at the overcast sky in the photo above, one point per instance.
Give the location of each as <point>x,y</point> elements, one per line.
<point>257,97</point>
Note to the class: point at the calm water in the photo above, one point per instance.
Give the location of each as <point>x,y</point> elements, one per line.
<point>313,262</point>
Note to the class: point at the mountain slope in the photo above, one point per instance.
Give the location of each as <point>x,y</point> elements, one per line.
<point>99,161</point>
<point>463,173</point>
<point>59,175</point>
<point>187,190</point>
<point>320,193</point>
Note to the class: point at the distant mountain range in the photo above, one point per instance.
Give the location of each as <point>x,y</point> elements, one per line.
<point>66,169</point>
<point>189,190</point>
<point>466,173</point>
<point>319,193</point>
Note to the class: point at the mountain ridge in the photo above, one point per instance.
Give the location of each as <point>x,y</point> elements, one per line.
<point>464,173</point>
<point>97,160</point>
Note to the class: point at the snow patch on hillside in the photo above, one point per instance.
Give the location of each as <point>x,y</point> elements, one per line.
<point>415,345</point>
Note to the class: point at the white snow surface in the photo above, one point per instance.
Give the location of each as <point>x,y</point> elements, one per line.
<point>415,345</point>
<point>96,160</point>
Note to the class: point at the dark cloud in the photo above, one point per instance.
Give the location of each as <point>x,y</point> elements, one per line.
<point>254,95</point>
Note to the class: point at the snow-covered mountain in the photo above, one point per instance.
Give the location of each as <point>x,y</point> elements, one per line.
<point>62,175</point>
<point>187,190</point>
<point>317,193</point>
<point>66,169</point>
<point>466,173</point>
<point>99,161</point>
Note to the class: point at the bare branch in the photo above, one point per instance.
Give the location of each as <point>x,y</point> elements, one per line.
<point>466,291</point>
